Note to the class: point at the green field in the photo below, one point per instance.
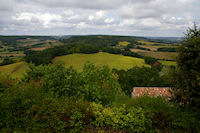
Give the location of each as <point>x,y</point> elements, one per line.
<point>78,60</point>
<point>161,55</point>
<point>113,61</point>
<point>14,70</point>
<point>168,63</point>
<point>124,43</point>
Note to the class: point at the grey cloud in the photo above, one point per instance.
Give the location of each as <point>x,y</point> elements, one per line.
<point>126,17</point>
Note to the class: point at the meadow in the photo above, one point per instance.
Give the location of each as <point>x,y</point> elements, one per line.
<point>124,43</point>
<point>15,70</point>
<point>78,60</point>
<point>113,61</point>
<point>160,55</point>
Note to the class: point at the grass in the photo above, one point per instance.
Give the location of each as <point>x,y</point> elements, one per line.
<point>15,70</point>
<point>113,61</point>
<point>138,50</point>
<point>124,43</point>
<point>168,63</point>
<point>161,55</point>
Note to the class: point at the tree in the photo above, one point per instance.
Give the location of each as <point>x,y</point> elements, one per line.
<point>186,77</point>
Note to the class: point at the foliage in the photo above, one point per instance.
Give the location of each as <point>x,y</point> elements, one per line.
<point>186,78</point>
<point>99,40</point>
<point>161,115</point>
<point>94,83</point>
<point>58,99</point>
<point>7,61</point>
<point>167,49</point>
<point>130,120</point>
<point>149,60</point>
<point>140,77</point>
<point>46,56</point>
<point>138,47</point>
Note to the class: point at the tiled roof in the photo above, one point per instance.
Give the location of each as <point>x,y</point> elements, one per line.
<point>151,91</point>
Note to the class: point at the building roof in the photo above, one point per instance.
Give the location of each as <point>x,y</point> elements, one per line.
<point>151,91</point>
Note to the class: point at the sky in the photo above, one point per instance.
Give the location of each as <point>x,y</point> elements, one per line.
<point>163,18</point>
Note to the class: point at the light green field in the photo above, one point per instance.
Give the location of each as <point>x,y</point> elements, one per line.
<point>161,55</point>
<point>168,63</point>
<point>14,70</point>
<point>113,61</point>
<point>124,43</point>
<point>78,60</point>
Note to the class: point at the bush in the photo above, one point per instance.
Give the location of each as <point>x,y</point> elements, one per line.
<point>94,83</point>
<point>161,115</point>
<point>129,120</point>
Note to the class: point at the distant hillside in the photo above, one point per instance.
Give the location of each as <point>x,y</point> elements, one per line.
<point>102,40</point>
<point>166,39</point>
<point>12,40</point>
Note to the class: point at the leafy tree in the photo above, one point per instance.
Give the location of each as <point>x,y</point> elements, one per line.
<point>149,60</point>
<point>186,77</point>
<point>140,77</point>
<point>94,83</point>
<point>7,61</point>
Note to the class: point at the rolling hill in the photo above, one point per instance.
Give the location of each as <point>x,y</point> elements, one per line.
<point>113,61</point>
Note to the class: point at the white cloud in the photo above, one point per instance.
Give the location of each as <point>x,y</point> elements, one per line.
<point>45,19</point>
<point>109,20</point>
<point>128,17</point>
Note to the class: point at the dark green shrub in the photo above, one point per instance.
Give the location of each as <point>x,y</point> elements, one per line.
<point>94,83</point>
<point>119,118</point>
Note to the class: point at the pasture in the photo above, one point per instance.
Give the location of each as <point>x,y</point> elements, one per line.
<point>161,55</point>
<point>15,70</point>
<point>168,63</point>
<point>113,61</point>
<point>124,43</point>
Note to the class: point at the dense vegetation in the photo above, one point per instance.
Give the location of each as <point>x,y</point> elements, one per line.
<point>46,56</point>
<point>7,61</point>
<point>12,40</point>
<point>100,40</point>
<point>167,49</point>
<point>53,98</point>
<point>186,77</point>
<point>141,77</point>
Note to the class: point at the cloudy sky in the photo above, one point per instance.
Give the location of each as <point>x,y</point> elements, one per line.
<point>115,17</point>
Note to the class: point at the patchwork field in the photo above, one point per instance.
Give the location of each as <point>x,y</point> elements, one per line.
<point>39,48</point>
<point>138,50</point>
<point>14,70</point>
<point>153,46</point>
<point>113,61</point>
<point>161,55</point>
<point>78,60</point>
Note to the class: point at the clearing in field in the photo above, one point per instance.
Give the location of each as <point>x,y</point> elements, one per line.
<point>14,70</point>
<point>124,43</point>
<point>113,61</point>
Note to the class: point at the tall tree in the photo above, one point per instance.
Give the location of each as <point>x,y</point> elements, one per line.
<point>186,77</point>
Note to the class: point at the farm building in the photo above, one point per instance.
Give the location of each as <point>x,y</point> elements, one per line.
<point>151,91</point>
